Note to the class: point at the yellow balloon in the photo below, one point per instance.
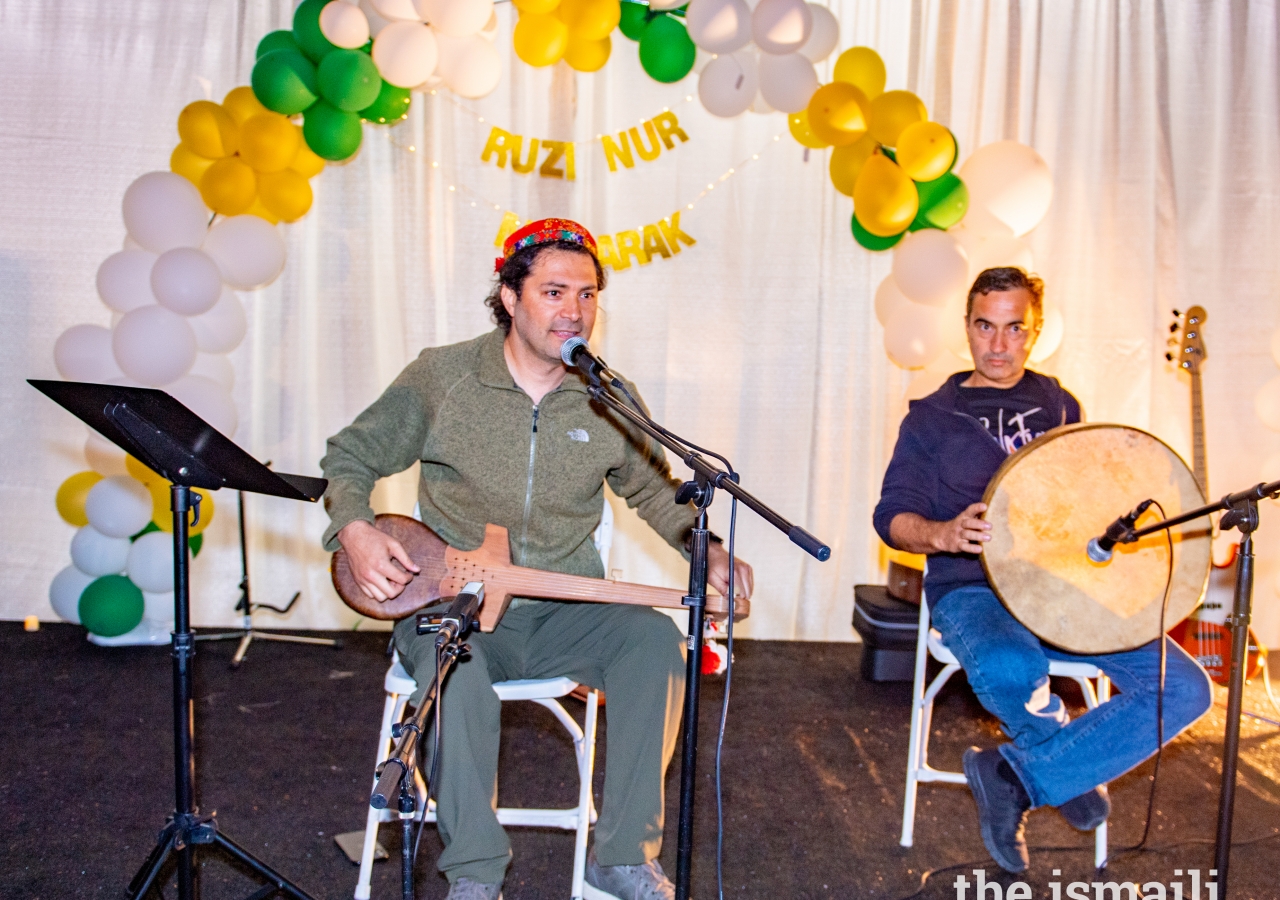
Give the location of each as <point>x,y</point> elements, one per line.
<point>242,103</point>
<point>71,496</point>
<point>863,68</point>
<point>286,194</point>
<point>162,514</point>
<point>588,56</point>
<point>800,130</point>
<point>306,162</point>
<point>838,113</point>
<point>847,162</point>
<point>141,472</point>
<point>189,165</point>
<point>926,151</point>
<point>884,198</point>
<point>539,39</point>
<point>892,112</point>
<point>589,20</point>
<point>536,6</point>
<point>208,129</point>
<point>262,212</point>
<point>268,142</point>
<point>229,186</point>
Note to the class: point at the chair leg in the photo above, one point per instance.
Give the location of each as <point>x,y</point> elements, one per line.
<point>391,710</point>
<point>917,734</point>
<point>586,797</point>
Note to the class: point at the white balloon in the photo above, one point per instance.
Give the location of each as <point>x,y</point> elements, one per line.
<point>157,606</point>
<point>728,85</point>
<point>913,336</point>
<point>376,21</point>
<point>781,26</point>
<point>129,243</point>
<point>163,210</point>
<point>824,36</point>
<point>434,82</point>
<point>1011,181</point>
<point>118,506</point>
<point>659,5</point>
<point>83,353</point>
<point>153,345</point>
<point>65,591</point>
<point>150,563</point>
<point>222,328</point>
<point>455,18</point>
<point>104,457</point>
<point>406,53</point>
<point>1275,350</point>
<point>490,30</point>
<point>889,298</point>
<point>979,221</point>
<point>1050,338</point>
<point>470,66</point>
<point>344,25</point>
<point>1267,404</point>
<point>787,82</point>
<point>396,9</point>
<point>208,400</point>
<point>124,280</point>
<point>929,379</point>
<point>719,26</point>
<point>955,336</point>
<point>186,280</point>
<point>95,554</point>
<point>248,250</point>
<point>930,266</point>
<point>759,105</point>
<point>215,366</point>
<point>987,251</point>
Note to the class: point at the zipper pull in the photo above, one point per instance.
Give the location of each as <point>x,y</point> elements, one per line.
<point>535,420</point>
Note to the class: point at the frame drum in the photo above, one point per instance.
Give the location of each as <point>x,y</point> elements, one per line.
<point>1047,500</point>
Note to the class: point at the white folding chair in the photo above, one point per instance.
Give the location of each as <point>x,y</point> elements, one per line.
<point>929,643</point>
<point>545,692</point>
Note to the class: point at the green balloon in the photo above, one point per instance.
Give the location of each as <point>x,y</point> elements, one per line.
<point>151,526</point>
<point>634,17</point>
<point>195,542</point>
<point>348,79</point>
<point>392,105</point>
<point>331,133</point>
<point>943,202</point>
<point>111,605</point>
<point>276,40</point>
<point>872,241</point>
<point>666,50</point>
<point>306,30</point>
<point>285,81</point>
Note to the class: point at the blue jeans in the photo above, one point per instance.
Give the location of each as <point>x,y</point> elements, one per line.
<point>1057,758</point>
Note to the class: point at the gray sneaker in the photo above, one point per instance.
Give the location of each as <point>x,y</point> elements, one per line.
<point>646,882</point>
<point>466,889</point>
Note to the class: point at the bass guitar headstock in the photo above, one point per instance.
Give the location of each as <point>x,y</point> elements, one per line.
<point>1187,332</point>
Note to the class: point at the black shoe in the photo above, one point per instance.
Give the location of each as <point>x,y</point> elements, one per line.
<point>1089,810</point>
<point>1002,807</point>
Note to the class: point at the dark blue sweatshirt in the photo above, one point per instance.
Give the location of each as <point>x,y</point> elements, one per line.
<point>943,461</point>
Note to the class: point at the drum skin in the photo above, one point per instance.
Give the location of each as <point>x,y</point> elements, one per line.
<point>1047,501</point>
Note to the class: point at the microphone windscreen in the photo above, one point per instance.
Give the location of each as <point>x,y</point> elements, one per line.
<point>569,347</point>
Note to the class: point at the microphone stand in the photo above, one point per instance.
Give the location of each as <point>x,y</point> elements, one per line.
<point>1240,511</point>
<point>699,491</point>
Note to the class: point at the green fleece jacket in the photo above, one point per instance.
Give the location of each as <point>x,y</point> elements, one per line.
<point>488,454</point>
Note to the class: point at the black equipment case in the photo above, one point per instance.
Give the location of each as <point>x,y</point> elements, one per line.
<point>888,627</point>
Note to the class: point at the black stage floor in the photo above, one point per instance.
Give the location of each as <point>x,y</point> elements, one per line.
<point>814,770</point>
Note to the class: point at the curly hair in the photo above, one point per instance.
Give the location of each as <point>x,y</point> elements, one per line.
<point>1008,278</point>
<point>517,268</point>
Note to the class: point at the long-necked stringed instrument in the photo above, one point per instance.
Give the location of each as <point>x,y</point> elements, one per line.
<point>1204,634</point>
<point>445,569</point>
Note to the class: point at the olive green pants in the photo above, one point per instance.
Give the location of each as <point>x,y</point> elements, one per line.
<point>634,654</point>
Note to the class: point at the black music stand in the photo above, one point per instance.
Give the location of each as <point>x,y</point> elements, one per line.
<point>176,443</point>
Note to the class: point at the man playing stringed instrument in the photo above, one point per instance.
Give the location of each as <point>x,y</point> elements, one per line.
<point>949,447</point>
<point>504,433</point>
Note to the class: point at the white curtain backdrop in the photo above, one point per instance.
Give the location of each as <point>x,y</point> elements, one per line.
<point>1158,120</point>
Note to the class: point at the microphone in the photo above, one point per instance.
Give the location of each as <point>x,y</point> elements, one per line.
<point>1099,548</point>
<point>460,617</point>
<point>574,352</point>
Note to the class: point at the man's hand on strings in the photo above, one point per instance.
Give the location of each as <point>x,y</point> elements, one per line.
<point>373,557</point>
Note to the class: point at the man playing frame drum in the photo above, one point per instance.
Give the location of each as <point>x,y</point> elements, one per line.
<point>949,446</point>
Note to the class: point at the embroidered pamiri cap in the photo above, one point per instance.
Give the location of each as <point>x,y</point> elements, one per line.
<point>544,231</point>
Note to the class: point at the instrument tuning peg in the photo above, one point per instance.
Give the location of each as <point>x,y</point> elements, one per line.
<point>1169,356</point>
<point>1176,313</point>
<point>1173,327</point>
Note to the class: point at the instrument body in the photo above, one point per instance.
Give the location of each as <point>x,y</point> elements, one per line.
<point>1047,500</point>
<point>445,570</point>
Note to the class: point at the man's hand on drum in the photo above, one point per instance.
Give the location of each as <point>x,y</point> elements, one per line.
<point>373,557</point>
<point>966,533</point>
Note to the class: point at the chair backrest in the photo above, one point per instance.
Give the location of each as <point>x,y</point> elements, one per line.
<point>603,535</point>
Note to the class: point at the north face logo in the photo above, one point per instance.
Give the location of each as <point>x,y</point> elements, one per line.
<point>579,434</point>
